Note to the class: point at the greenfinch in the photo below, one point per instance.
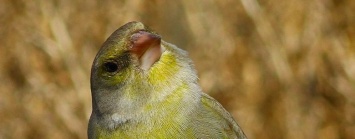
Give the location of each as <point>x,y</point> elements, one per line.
<point>144,87</point>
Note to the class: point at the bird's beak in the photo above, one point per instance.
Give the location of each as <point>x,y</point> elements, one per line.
<point>147,47</point>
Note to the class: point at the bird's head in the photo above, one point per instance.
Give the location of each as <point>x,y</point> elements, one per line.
<point>132,65</point>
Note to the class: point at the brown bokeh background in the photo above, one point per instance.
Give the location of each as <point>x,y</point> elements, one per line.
<point>284,69</point>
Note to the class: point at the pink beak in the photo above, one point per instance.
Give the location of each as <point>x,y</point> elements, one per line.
<point>147,47</point>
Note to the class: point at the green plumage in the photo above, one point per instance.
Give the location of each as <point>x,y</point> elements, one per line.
<point>163,101</point>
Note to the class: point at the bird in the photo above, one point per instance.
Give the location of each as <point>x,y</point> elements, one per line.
<point>144,87</point>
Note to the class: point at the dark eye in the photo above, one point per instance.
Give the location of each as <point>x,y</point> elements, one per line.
<point>111,67</point>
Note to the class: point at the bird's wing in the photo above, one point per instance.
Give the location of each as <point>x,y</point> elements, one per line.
<point>215,110</point>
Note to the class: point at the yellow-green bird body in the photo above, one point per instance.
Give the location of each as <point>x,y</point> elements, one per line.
<point>143,87</point>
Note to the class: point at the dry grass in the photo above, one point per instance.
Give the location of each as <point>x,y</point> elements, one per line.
<point>285,69</point>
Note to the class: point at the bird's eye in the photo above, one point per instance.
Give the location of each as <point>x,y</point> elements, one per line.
<point>111,67</point>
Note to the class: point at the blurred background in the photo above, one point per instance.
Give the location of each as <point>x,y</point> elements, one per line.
<point>284,69</point>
